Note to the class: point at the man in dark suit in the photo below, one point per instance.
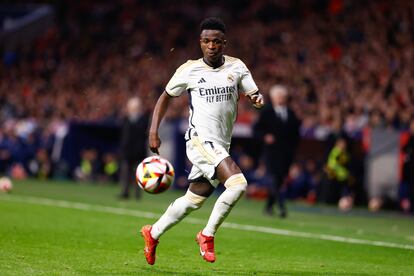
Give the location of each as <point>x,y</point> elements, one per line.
<point>133,149</point>
<point>278,129</point>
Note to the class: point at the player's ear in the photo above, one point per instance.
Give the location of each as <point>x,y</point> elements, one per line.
<point>224,42</point>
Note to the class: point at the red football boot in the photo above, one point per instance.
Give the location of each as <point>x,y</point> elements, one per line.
<point>150,244</point>
<point>206,247</point>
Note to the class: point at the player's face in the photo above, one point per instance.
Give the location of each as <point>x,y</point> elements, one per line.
<point>212,43</point>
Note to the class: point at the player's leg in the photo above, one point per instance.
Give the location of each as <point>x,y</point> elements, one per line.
<point>193,199</point>
<point>214,162</point>
<point>234,181</point>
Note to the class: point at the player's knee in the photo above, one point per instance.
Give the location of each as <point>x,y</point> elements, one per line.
<point>195,199</point>
<point>236,182</point>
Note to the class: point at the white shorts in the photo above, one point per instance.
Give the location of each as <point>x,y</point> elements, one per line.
<point>205,156</point>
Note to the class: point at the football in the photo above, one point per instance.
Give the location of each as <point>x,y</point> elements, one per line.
<point>155,174</point>
<point>5,184</point>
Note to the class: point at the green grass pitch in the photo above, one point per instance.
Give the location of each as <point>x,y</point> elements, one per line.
<point>64,228</point>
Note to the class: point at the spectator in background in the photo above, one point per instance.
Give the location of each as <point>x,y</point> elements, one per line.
<point>88,167</point>
<point>278,128</point>
<point>110,167</point>
<point>259,182</point>
<point>302,181</point>
<point>133,147</point>
<point>40,166</point>
<point>313,179</point>
<point>296,182</point>
<point>5,155</point>
<point>339,180</point>
<point>257,178</point>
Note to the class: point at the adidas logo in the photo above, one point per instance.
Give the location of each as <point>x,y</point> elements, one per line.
<point>202,80</point>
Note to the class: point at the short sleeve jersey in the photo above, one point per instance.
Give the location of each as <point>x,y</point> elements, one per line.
<point>213,93</point>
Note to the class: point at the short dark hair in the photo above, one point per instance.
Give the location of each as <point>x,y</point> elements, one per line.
<point>213,23</point>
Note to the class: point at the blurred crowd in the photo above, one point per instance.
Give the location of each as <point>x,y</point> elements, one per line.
<point>347,65</point>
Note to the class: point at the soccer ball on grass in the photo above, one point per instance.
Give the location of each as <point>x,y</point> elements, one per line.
<point>5,185</point>
<point>155,174</point>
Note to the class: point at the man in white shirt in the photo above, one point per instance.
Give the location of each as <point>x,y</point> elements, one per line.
<point>213,84</point>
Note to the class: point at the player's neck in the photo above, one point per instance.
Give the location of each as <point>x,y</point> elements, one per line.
<point>214,64</point>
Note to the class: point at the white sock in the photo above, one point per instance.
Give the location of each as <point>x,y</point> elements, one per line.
<point>177,210</point>
<point>224,204</point>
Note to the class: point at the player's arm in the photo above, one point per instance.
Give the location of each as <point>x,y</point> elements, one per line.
<point>249,87</point>
<point>158,114</point>
<point>175,87</point>
<point>257,100</point>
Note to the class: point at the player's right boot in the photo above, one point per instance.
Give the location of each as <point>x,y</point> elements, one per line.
<point>206,247</point>
<point>150,244</point>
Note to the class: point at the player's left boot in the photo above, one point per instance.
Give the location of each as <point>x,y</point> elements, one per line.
<point>206,247</point>
<point>150,244</point>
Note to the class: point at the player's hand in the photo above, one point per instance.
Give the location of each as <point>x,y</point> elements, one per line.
<point>257,100</point>
<point>154,142</point>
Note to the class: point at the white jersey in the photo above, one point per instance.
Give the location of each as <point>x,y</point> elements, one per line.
<point>213,93</point>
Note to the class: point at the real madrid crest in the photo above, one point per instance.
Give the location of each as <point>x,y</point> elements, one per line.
<point>230,78</point>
